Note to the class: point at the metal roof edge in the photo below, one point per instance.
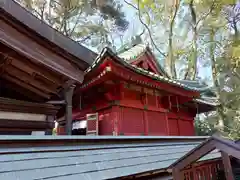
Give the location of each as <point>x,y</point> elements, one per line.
<point>27,137</point>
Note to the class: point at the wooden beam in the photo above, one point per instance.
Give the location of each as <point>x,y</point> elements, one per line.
<point>37,53</point>
<point>61,102</point>
<point>176,174</point>
<point>23,76</point>
<point>18,60</point>
<point>230,150</point>
<point>195,154</point>
<point>29,87</point>
<point>238,142</point>
<point>22,91</point>
<point>31,68</point>
<point>68,115</point>
<point>227,166</point>
<point>12,105</point>
<point>26,124</point>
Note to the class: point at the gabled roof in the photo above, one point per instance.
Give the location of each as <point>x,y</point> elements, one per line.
<point>27,19</point>
<point>106,52</point>
<point>86,158</point>
<point>188,85</point>
<point>224,145</point>
<point>131,54</point>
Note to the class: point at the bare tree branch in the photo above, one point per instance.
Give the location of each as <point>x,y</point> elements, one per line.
<point>207,14</point>
<point>145,25</point>
<point>76,23</point>
<point>130,4</point>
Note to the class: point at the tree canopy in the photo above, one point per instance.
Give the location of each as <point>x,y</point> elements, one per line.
<point>192,39</point>
<point>89,22</point>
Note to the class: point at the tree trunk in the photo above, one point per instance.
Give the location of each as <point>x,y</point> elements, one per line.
<point>220,109</point>
<point>170,61</point>
<point>191,71</point>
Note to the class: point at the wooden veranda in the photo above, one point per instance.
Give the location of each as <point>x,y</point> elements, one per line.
<point>227,167</point>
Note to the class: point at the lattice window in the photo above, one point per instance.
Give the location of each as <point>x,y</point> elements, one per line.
<point>92,124</point>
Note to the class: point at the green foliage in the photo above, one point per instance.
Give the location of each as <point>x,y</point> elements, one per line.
<point>90,22</point>
<point>204,128</point>
<point>187,34</point>
<point>204,32</point>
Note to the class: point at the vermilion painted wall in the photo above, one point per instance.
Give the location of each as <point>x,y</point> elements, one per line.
<point>135,113</point>
<point>106,122</point>
<point>147,116</point>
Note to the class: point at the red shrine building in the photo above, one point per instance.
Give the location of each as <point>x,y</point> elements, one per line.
<point>131,94</point>
<point>127,93</point>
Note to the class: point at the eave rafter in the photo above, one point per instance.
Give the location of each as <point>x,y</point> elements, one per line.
<point>4,62</point>
<point>26,86</point>
<point>28,66</point>
<point>37,53</point>
<point>25,74</point>
<point>14,88</point>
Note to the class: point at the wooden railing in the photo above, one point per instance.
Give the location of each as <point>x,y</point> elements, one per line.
<point>207,171</point>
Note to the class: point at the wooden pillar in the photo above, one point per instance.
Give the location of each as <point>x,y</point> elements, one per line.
<point>68,93</point>
<point>176,174</point>
<point>227,166</point>
<point>80,101</point>
<point>145,113</point>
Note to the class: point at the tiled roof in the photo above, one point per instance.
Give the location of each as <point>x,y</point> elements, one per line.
<point>189,85</point>
<point>197,84</point>
<point>204,90</point>
<point>90,158</point>
<point>106,51</point>
<point>124,58</point>
<point>208,100</point>
<point>132,53</point>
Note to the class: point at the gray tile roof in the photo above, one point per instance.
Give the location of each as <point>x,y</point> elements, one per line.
<point>86,158</point>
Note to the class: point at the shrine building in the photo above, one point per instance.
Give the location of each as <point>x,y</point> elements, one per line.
<point>129,93</point>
